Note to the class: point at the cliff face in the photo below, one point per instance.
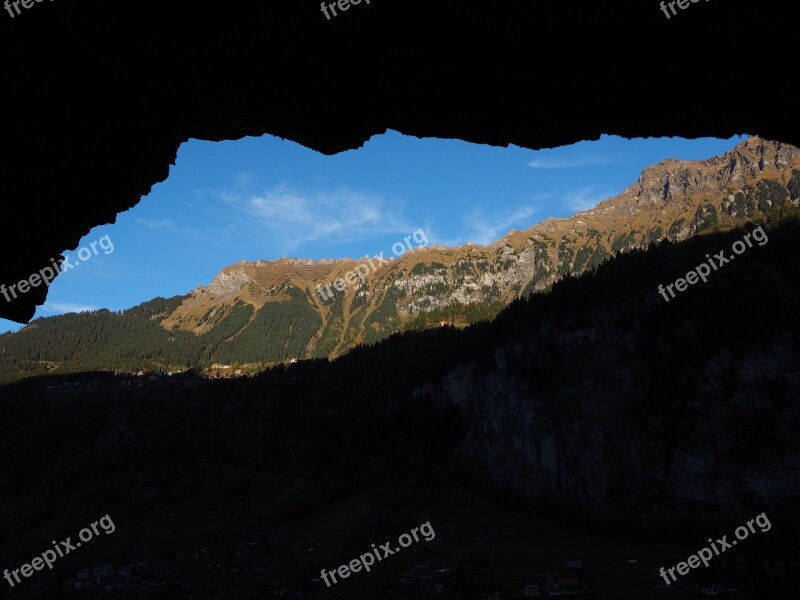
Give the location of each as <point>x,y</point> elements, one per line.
<point>592,457</point>
<point>606,397</point>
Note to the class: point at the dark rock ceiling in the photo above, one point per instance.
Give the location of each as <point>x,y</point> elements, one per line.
<point>97,96</point>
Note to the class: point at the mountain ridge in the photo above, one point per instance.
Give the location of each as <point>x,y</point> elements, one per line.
<point>669,200</point>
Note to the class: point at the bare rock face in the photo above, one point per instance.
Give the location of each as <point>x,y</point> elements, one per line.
<point>579,442</point>
<point>228,282</point>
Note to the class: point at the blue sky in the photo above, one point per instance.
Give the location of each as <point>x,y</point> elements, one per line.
<point>270,198</point>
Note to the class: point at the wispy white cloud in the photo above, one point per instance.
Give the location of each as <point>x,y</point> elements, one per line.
<point>279,220</point>
<point>201,223</point>
<point>67,307</point>
<point>296,218</point>
<point>245,179</point>
<point>584,198</point>
<point>169,226</point>
<point>158,224</point>
<point>570,163</point>
<point>485,229</point>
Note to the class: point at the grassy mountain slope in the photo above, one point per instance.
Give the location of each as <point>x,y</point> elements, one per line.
<point>430,285</point>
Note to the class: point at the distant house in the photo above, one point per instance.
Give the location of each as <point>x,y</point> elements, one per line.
<point>83,585</point>
<point>573,565</point>
<point>478,537</point>
<point>712,590</point>
<point>531,590</point>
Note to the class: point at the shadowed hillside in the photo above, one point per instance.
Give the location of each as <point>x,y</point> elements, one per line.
<point>599,404</point>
